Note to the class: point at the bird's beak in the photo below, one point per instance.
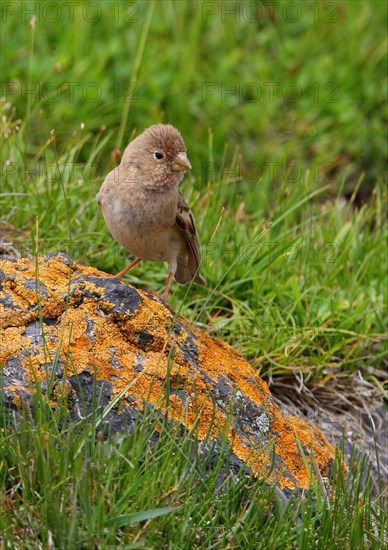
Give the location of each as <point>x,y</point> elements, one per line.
<point>181,162</point>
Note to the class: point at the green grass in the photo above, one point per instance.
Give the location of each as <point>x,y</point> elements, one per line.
<point>313,283</point>
<point>282,113</point>
<point>63,484</point>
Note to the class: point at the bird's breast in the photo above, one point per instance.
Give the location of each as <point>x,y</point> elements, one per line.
<point>153,210</point>
<point>142,222</point>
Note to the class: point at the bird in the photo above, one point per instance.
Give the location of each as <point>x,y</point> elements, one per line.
<point>144,209</point>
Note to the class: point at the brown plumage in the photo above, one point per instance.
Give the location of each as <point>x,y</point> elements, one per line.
<point>144,209</point>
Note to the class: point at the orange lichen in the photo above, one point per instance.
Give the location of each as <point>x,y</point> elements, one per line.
<point>292,431</point>
<point>11,341</point>
<point>17,400</point>
<point>107,344</point>
<point>237,369</point>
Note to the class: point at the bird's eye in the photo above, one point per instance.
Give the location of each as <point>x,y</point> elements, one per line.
<point>158,155</point>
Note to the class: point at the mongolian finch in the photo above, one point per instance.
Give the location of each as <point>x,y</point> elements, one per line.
<point>144,209</point>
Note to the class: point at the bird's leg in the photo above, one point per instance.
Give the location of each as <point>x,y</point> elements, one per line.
<point>121,274</point>
<point>165,292</point>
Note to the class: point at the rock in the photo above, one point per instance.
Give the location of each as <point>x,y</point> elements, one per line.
<point>80,331</point>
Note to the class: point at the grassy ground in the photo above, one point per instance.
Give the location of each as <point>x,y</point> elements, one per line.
<point>282,111</point>
<point>68,488</point>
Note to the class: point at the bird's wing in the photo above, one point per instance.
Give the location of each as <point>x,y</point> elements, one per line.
<point>185,222</point>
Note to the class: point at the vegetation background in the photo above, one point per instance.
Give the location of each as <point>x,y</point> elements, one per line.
<point>283,109</point>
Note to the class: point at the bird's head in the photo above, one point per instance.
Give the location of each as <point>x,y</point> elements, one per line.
<point>159,155</point>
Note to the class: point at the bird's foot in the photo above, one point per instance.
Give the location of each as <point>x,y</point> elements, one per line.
<point>163,299</point>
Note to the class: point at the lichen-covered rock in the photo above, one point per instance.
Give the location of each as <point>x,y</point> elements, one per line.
<point>88,332</point>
